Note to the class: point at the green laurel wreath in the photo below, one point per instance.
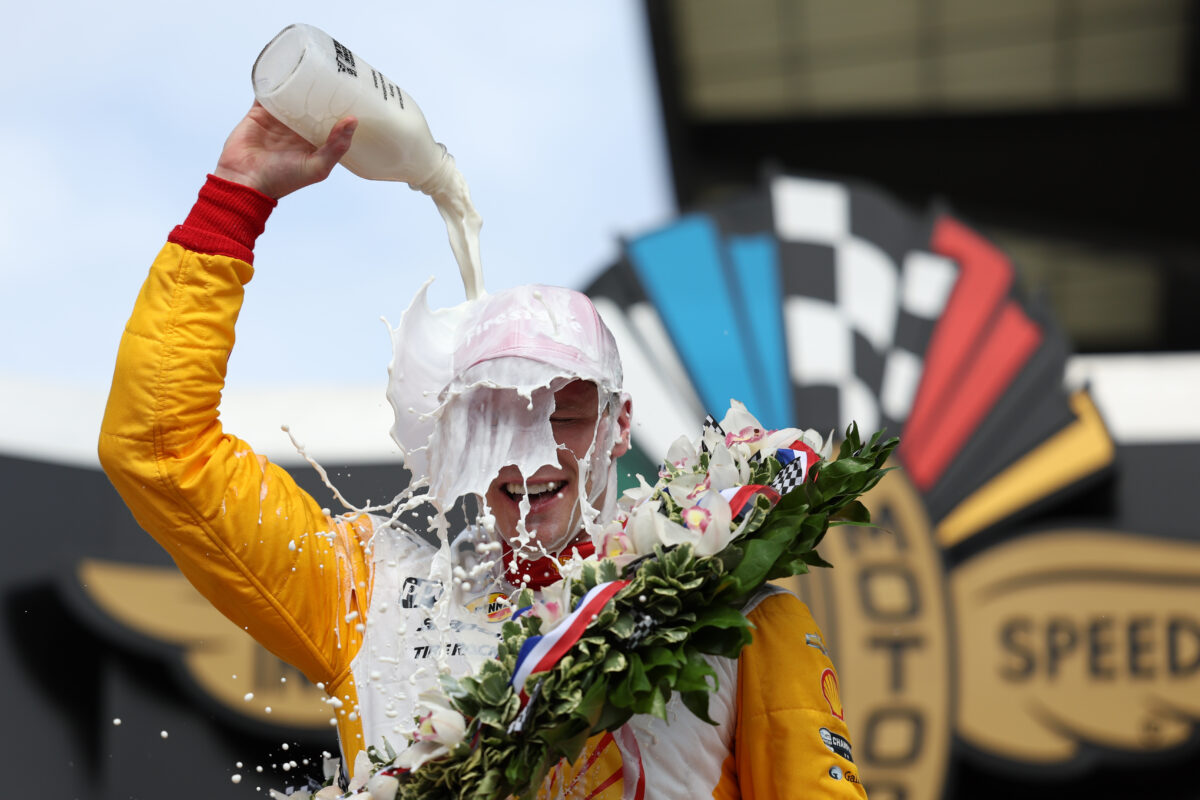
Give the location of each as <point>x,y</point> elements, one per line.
<point>691,607</point>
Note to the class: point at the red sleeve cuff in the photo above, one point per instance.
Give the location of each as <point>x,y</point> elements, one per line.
<point>226,220</point>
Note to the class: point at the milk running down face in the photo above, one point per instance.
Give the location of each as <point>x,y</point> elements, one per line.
<point>514,398</point>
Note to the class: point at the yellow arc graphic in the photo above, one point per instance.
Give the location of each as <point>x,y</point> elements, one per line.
<point>224,661</point>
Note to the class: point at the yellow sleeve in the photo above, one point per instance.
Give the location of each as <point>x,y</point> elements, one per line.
<point>791,736</point>
<point>255,544</point>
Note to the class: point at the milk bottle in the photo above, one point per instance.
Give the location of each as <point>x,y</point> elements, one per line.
<point>308,80</point>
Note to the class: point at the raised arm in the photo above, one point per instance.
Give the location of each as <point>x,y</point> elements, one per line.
<point>238,526</point>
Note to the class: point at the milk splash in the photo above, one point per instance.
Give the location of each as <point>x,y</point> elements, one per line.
<point>473,389</point>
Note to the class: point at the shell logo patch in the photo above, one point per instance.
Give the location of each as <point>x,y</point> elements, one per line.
<point>829,688</point>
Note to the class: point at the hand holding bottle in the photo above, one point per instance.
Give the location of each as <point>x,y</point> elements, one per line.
<point>266,155</point>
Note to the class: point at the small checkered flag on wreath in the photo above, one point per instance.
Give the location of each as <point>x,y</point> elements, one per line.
<point>791,476</point>
<point>710,424</point>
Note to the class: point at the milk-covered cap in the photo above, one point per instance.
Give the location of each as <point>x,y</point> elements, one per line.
<point>553,326</point>
<point>521,338</point>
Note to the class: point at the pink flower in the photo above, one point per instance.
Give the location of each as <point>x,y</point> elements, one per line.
<point>697,518</point>
<point>750,433</point>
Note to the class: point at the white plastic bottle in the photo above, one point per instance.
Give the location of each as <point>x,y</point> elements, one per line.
<point>308,80</point>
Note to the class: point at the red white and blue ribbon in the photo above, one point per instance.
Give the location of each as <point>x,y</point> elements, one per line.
<point>740,497</point>
<point>540,653</point>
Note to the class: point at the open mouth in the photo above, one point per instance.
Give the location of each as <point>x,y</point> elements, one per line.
<point>538,493</point>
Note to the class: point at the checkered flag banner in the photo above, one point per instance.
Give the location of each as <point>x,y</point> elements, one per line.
<point>863,290</point>
<point>818,303</point>
<point>792,474</point>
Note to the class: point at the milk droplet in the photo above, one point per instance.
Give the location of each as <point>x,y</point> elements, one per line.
<point>248,696</point>
<point>117,721</point>
<point>235,778</point>
<point>163,734</point>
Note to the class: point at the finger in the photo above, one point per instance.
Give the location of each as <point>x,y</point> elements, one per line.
<point>340,137</point>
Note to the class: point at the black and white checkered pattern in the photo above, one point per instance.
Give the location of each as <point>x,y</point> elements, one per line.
<point>643,626</point>
<point>790,477</point>
<point>861,296</point>
<point>710,424</point>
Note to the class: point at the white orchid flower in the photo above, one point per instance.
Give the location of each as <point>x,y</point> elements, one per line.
<point>709,521</point>
<point>682,454</point>
<point>637,494</point>
<point>647,527</point>
<point>739,421</point>
<point>383,787</point>
<point>441,723</point>
<point>686,489</point>
<point>724,472</point>
<point>553,604</point>
<point>418,753</point>
<point>782,438</point>
<point>361,772</point>
<point>614,544</point>
<point>438,731</point>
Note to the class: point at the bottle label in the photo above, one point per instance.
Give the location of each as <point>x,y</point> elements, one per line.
<point>389,89</point>
<point>345,59</point>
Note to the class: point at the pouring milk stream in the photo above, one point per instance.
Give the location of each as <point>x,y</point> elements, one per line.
<point>308,80</point>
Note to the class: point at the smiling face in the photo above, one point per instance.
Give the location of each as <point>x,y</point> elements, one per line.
<point>553,491</point>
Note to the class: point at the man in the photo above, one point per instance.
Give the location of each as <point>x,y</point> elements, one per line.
<point>530,418</point>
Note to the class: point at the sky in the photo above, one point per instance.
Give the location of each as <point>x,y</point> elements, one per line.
<point>549,109</point>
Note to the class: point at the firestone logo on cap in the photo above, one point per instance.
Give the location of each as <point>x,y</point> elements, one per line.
<point>517,315</point>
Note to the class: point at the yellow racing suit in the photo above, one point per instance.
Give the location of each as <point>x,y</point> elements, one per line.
<point>305,585</point>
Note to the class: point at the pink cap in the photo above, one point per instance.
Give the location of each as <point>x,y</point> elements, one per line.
<point>549,324</point>
<point>523,338</point>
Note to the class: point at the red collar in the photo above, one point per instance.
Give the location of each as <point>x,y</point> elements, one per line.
<point>543,571</point>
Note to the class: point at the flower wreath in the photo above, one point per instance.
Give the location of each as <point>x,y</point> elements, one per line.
<point>740,507</point>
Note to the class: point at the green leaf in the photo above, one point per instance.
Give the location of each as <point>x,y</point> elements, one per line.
<point>659,656</point>
<point>614,662</point>
<point>815,560</point>
<point>694,675</point>
<point>727,642</point>
<point>719,616</point>
<point>658,704</point>
<point>697,703</point>
<point>854,511</point>
<point>611,718</point>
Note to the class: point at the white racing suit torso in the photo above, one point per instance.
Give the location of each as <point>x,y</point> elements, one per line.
<point>405,644</point>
